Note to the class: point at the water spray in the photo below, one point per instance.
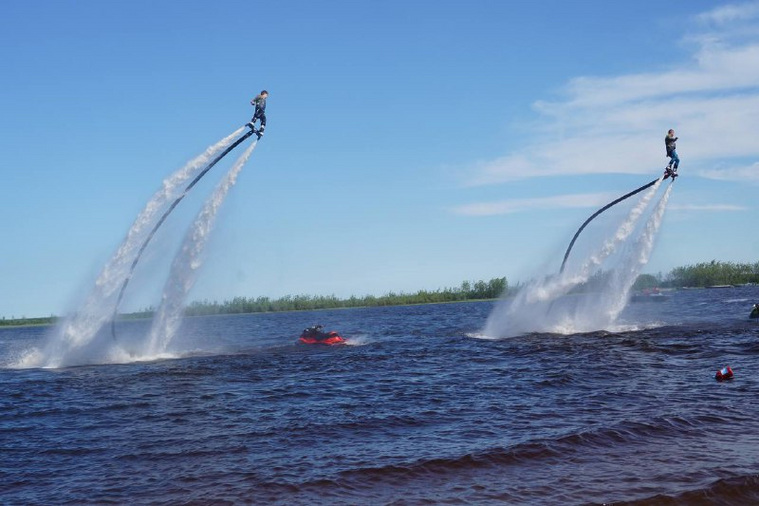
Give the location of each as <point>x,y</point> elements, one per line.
<point>188,260</point>
<point>75,340</point>
<point>532,310</point>
<point>604,208</point>
<point>163,218</point>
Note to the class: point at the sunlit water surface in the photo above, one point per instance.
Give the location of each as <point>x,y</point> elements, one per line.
<point>419,408</point>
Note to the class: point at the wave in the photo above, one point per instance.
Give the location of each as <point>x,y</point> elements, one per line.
<point>543,452</point>
<point>725,491</point>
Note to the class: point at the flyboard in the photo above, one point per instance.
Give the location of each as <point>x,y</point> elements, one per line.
<point>670,172</point>
<point>168,211</point>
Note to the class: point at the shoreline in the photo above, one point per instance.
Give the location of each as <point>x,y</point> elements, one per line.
<point>18,322</point>
<point>52,320</point>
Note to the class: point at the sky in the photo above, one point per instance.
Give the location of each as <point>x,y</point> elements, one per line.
<point>410,144</point>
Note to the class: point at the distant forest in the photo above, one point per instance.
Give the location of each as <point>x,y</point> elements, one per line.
<point>16,322</point>
<point>700,275</point>
<point>474,290</point>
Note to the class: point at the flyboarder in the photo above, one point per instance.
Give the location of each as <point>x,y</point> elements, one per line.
<point>670,142</point>
<point>260,114</point>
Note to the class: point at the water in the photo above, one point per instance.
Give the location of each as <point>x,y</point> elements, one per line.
<point>417,410</point>
<point>542,305</point>
<point>80,337</point>
<point>188,260</point>
<point>81,334</point>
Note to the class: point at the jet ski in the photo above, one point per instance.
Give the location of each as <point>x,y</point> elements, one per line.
<point>316,335</point>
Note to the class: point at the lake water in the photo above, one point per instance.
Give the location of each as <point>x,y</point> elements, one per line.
<point>415,410</point>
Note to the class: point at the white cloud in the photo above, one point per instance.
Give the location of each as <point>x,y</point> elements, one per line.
<point>579,200</point>
<point>707,207</point>
<point>730,13</point>
<point>744,173</point>
<point>617,124</point>
<point>712,68</point>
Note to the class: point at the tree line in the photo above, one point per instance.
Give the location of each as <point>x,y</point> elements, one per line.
<point>15,322</point>
<point>702,275</point>
<point>698,275</point>
<point>469,290</point>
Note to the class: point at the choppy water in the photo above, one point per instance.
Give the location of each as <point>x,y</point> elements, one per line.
<point>416,411</point>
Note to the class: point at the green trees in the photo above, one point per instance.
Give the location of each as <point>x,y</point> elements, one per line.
<point>702,275</point>
<point>14,322</point>
<point>473,290</point>
<point>713,273</point>
<point>646,282</point>
<point>699,275</point>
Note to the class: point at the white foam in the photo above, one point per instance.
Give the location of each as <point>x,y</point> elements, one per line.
<point>358,340</point>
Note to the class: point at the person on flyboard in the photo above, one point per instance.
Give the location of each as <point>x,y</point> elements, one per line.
<point>260,114</point>
<point>670,142</point>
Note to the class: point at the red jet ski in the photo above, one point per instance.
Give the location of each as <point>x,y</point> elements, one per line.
<point>315,335</point>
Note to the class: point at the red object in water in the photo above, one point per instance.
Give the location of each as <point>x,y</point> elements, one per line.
<point>724,374</point>
<point>313,337</point>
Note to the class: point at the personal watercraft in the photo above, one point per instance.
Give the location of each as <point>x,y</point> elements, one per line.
<point>315,335</point>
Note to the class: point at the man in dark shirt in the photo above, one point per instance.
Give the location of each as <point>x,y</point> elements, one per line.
<point>260,113</point>
<point>670,142</point>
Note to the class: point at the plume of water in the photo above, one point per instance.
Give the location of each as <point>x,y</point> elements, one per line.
<point>185,266</point>
<point>538,306</point>
<point>624,277</point>
<point>555,286</point>
<point>600,309</point>
<point>72,340</point>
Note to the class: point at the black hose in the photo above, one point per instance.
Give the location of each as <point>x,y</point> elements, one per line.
<point>604,208</point>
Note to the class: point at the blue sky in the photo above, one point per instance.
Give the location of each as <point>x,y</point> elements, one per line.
<point>410,144</point>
